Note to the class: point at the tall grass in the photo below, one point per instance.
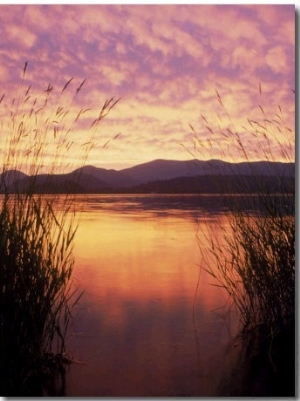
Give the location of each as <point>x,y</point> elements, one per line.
<point>254,260</point>
<point>255,263</point>
<point>37,233</point>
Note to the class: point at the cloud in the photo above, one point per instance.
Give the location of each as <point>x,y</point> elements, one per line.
<point>276,59</point>
<point>4,73</point>
<point>164,61</point>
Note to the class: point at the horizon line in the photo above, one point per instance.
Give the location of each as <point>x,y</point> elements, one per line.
<point>40,172</point>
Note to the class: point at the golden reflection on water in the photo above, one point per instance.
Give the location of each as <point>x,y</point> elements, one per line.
<point>134,327</point>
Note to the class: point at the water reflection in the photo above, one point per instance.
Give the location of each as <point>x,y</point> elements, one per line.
<point>134,329</point>
<point>159,205</point>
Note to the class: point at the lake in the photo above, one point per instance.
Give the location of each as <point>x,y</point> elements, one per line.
<point>149,322</point>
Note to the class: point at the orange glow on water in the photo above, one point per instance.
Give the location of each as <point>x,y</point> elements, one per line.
<point>139,271</point>
<point>137,257</point>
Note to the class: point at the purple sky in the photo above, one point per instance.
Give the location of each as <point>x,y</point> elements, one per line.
<point>168,64</point>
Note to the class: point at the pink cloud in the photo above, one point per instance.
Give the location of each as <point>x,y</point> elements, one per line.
<point>276,59</point>
<point>165,61</point>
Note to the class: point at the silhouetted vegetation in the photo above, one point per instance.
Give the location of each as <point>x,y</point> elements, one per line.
<point>36,239</point>
<point>254,261</point>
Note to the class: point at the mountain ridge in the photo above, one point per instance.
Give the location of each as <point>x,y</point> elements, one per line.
<point>96,179</point>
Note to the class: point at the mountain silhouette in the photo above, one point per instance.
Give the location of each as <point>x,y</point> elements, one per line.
<point>10,178</point>
<point>111,177</point>
<point>157,175</point>
<point>167,169</point>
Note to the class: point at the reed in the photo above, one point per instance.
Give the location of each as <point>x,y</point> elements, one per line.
<point>37,234</point>
<point>254,259</point>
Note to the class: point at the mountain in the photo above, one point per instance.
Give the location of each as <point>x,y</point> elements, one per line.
<point>76,182</point>
<point>112,178</point>
<point>168,169</point>
<point>155,176</point>
<point>219,184</point>
<point>83,180</point>
<point>10,179</point>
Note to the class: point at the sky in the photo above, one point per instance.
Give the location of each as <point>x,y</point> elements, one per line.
<point>190,79</point>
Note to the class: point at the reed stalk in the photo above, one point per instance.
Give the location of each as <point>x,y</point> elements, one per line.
<point>254,259</point>
<point>37,233</point>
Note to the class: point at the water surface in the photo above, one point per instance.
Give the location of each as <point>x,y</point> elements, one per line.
<point>149,323</point>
